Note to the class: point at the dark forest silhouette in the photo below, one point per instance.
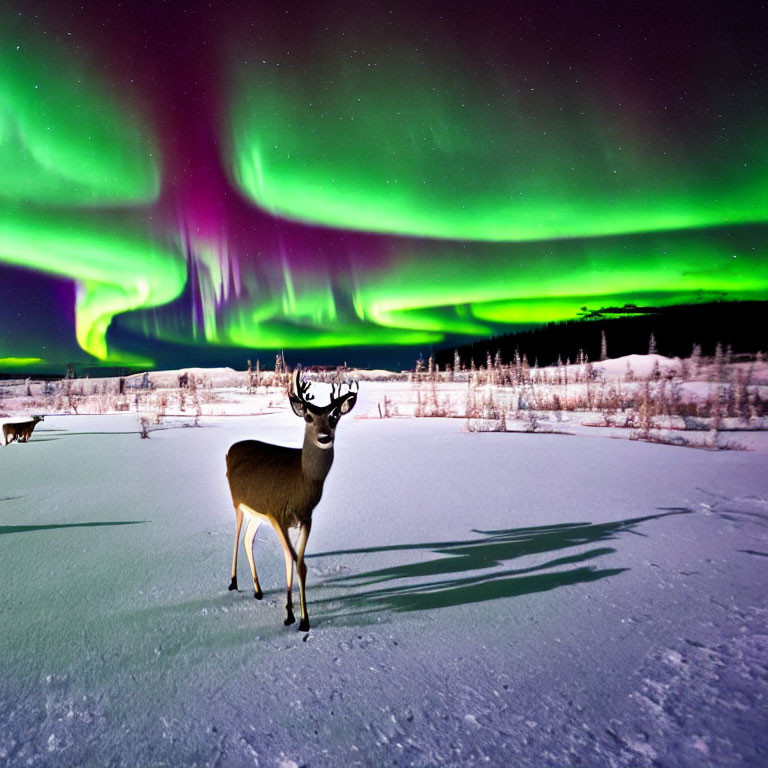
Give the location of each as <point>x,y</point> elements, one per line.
<point>740,325</point>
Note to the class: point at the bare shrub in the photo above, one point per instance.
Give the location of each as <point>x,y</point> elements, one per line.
<point>161,405</point>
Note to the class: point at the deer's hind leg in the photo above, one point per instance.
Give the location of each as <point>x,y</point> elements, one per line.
<point>238,526</point>
<point>250,535</point>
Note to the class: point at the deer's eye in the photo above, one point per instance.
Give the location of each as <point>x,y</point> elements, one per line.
<point>333,419</point>
<point>308,417</point>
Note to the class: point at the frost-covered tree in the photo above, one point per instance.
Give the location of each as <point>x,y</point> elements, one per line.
<point>717,401</point>
<point>719,369</point>
<point>603,346</point>
<point>652,344</point>
<point>518,366</point>
<point>695,361</point>
<point>470,408</point>
<point>644,412</point>
<point>741,394</point>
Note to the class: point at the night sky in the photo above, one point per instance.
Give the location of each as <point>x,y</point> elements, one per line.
<point>364,182</point>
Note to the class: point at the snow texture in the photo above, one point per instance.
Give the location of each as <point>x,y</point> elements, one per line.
<point>476,599</point>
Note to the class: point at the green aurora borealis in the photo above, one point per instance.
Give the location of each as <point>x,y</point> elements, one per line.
<point>63,139</point>
<point>329,180</point>
<point>460,160</point>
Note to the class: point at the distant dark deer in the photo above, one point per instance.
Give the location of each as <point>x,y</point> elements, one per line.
<point>283,485</point>
<point>20,431</point>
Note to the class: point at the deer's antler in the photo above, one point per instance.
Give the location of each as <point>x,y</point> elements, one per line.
<point>301,387</point>
<point>337,398</point>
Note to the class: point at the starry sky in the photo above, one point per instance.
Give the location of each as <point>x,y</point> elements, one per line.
<point>194,183</point>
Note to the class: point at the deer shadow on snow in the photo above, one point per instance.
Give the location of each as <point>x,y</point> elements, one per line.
<point>471,571</point>
<point>5,529</point>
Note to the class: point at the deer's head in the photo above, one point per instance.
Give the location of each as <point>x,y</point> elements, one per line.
<point>321,421</point>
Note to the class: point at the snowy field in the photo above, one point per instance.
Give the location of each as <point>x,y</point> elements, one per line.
<point>477,598</point>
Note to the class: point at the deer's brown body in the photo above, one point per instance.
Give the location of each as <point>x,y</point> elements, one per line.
<point>258,474</point>
<point>283,486</point>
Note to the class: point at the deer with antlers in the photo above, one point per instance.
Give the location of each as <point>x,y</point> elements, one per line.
<point>283,485</point>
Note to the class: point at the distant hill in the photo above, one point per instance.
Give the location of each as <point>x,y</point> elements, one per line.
<point>742,325</point>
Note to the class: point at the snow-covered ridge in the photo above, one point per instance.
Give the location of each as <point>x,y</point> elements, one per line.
<point>683,401</point>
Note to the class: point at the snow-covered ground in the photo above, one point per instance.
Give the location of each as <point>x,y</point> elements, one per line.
<point>476,598</point>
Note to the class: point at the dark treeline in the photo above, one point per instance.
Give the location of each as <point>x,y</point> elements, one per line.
<point>742,325</point>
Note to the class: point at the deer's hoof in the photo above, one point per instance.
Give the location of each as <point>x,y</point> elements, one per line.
<point>258,594</point>
<point>290,618</point>
<point>304,625</point>
<point>233,584</point>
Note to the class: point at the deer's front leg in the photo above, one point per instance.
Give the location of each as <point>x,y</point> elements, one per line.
<point>290,556</point>
<point>289,617</point>
<point>301,567</point>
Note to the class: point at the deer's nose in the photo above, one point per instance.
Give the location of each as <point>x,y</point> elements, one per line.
<point>323,438</point>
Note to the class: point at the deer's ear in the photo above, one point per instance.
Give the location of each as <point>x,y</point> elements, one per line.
<point>297,406</point>
<point>348,404</point>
